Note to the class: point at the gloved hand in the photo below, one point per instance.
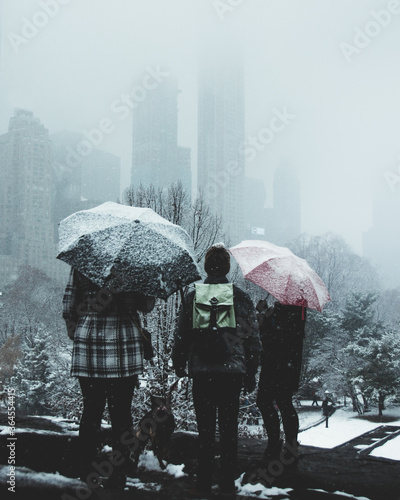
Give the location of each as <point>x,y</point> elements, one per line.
<point>249,383</point>
<point>180,371</point>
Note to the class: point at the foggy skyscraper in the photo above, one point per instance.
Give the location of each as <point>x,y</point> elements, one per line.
<point>381,243</point>
<point>284,218</point>
<point>220,164</point>
<point>26,226</point>
<point>93,179</point>
<point>156,157</point>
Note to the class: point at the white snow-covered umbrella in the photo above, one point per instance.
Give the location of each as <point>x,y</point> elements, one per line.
<point>128,249</point>
<point>280,272</point>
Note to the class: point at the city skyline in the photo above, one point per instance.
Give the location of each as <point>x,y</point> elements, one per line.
<point>38,189</point>
<point>321,90</point>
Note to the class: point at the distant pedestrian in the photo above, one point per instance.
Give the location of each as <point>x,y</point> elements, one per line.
<point>315,399</point>
<point>327,407</point>
<point>219,369</point>
<point>282,334</point>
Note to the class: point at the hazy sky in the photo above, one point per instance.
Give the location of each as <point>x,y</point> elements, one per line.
<point>331,65</point>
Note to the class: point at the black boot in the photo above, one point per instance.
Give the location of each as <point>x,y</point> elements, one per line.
<point>119,473</point>
<point>273,450</point>
<point>117,480</point>
<point>90,476</point>
<point>291,453</point>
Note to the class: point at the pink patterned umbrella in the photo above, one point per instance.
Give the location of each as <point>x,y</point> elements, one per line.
<point>281,273</point>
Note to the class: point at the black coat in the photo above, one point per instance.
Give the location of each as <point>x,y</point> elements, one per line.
<point>327,406</point>
<point>282,335</point>
<point>245,357</point>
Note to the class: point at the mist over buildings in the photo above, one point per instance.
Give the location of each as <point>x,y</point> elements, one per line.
<point>292,109</point>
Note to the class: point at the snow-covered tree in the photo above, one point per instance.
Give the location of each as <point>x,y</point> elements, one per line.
<point>321,350</point>
<point>33,334</point>
<point>376,361</point>
<point>10,353</point>
<point>357,351</point>
<point>29,302</point>
<point>358,316</point>
<point>32,377</point>
<point>341,269</point>
<point>203,226</point>
<point>388,307</point>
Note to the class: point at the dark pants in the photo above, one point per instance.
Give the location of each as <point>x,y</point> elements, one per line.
<point>217,397</point>
<point>270,392</point>
<point>96,392</point>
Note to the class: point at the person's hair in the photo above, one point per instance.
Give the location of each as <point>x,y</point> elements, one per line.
<point>217,261</point>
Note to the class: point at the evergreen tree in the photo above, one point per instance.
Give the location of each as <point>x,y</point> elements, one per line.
<point>359,352</point>
<point>376,361</point>
<point>32,378</point>
<point>358,315</point>
<point>10,353</point>
<point>355,351</point>
<point>323,351</point>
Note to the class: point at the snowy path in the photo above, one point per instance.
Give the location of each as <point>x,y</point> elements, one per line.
<point>344,425</point>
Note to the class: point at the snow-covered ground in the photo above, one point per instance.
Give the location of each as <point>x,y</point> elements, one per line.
<point>391,450</point>
<point>344,425</point>
<point>308,417</point>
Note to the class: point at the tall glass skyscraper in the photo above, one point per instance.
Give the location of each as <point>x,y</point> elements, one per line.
<point>221,122</point>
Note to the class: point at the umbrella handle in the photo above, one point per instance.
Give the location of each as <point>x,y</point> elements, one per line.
<point>182,296</point>
<point>303,305</point>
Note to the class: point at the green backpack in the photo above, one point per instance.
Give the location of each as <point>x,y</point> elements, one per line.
<point>214,321</point>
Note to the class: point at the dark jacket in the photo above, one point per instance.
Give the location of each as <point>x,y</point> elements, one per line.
<point>327,406</point>
<point>282,335</point>
<point>245,356</point>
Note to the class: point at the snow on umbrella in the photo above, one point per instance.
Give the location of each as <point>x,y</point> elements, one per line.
<point>281,273</point>
<point>129,249</point>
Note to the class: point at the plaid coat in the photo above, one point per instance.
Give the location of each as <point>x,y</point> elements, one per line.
<point>107,343</point>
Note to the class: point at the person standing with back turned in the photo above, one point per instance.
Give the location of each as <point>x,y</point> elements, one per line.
<point>282,334</point>
<point>107,357</point>
<point>222,359</point>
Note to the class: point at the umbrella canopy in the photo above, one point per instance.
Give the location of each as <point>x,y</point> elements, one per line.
<point>281,273</point>
<point>128,248</point>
